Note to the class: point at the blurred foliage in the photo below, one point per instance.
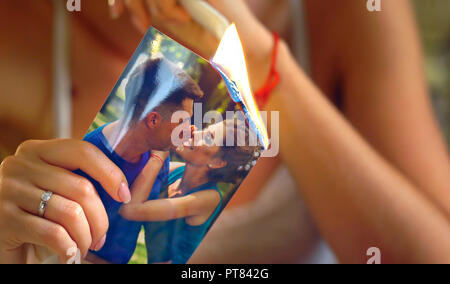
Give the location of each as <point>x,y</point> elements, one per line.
<point>140,254</point>
<point>434,23</point>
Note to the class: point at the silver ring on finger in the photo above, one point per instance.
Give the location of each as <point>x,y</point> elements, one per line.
<point>45,198</point>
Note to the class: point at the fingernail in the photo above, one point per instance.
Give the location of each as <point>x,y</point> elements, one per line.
<point>99,245</point>
<point>124,193</point>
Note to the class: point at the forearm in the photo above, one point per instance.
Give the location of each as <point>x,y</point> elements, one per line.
<point>151,211</point>
<point>356,197</point>
<point>387,98</point>
<point>143,185</point>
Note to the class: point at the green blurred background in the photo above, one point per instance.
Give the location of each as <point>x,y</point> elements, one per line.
<point>434,23</point>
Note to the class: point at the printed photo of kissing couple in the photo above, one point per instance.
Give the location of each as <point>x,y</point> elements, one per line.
<point>181,171</point>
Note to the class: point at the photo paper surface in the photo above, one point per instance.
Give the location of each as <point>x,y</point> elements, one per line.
<point>185,132</point>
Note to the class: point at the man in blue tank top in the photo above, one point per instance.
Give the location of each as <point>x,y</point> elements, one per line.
<point>155,90</point>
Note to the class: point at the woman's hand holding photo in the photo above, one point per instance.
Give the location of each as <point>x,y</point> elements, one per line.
<point>73,217</point>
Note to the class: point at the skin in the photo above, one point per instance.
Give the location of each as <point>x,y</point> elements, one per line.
<point>385,175</point>
<point>75,217</point>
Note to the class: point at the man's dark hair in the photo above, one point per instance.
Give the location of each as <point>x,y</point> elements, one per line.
<point>162,83</point>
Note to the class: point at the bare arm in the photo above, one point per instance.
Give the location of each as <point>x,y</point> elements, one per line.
<point>197,204</point>
<point>384,88</point>
<point>357,197</point>
<point>140,209</point>
<point>143,185</point>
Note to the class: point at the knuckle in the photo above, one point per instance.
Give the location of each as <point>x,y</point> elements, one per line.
<point>26,146</point>
<point>8,217</point>
<point>85,189</point>
<point>86,149</point>
<point>6,186</point>
<point>73,211</point>
<point>9,209</point>
<point>55,234</point>
<point>8,163</point>
<point>9,181</point>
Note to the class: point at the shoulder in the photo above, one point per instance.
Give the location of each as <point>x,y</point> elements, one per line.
<point>207,198</point>
<point>202,205</point>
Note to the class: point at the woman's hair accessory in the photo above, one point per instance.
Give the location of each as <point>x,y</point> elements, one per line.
<point>247,167</point>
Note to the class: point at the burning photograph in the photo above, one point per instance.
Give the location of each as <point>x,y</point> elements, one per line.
<point>185,138</point>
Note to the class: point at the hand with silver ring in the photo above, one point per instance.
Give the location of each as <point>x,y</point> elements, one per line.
<point>45,205</point>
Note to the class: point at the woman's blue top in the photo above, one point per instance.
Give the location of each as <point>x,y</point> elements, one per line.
<point>176,240</point>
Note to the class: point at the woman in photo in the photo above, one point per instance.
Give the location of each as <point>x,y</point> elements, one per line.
<point>194,198</point>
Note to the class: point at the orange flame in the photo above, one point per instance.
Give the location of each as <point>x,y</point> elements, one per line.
<point>231,59</point>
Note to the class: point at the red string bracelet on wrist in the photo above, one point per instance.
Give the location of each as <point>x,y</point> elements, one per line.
<point>158,158</point>
<point>263,94</point>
